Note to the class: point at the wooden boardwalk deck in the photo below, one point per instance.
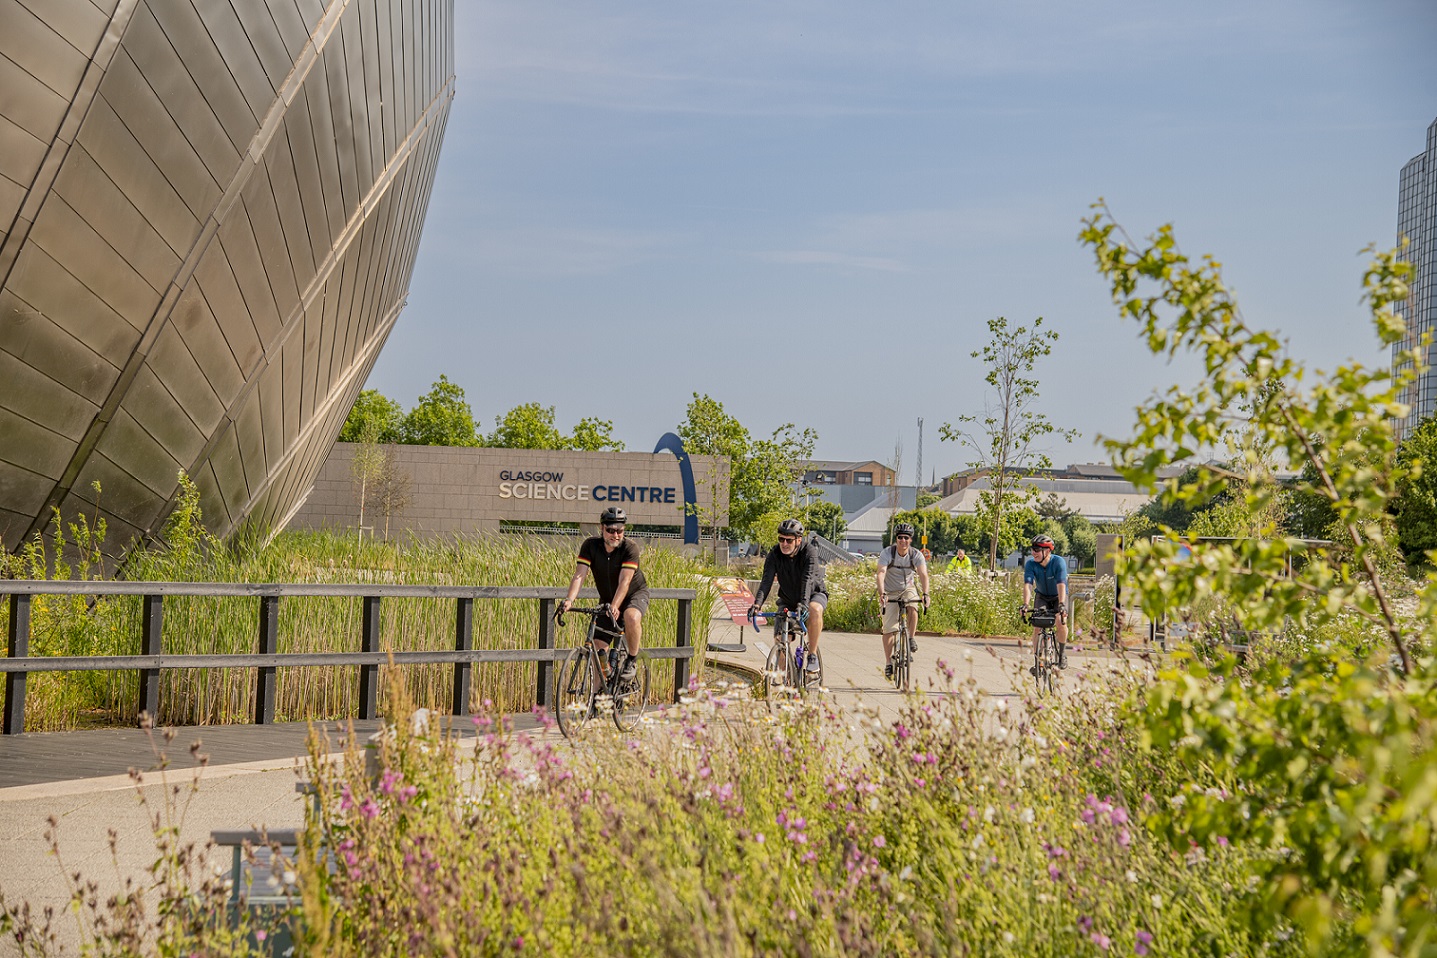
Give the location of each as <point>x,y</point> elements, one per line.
<point>36,758</point>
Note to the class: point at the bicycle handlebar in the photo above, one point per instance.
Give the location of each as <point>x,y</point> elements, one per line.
<point>595,612</point>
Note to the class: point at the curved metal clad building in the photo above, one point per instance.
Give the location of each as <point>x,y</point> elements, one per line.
<point>209,213</point>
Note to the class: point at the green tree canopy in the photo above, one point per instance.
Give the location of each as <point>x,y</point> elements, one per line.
<point>375,418</point>
<point>1415,507</point>
<point>763,471</point>
<point>442,417</point>
<point>594,435</point>
<point>526,426</point>
<point>825,518</point>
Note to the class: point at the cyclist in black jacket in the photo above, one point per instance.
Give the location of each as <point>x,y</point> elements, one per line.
<point>794,562</point>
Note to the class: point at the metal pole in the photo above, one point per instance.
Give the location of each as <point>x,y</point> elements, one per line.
<point>369,674</point>
<point>151,644</point>
<point>463,642</point>
<point>264,690</point>
<point>19,648</point>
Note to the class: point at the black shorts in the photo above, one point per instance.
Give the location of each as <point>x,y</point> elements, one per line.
<point>818,596</point>
<point>638,600</point>
<point>1047,603</point>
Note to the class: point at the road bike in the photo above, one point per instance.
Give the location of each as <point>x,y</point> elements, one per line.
<point>587,684</point>
<point>1045,649</point>
<point>902,657</point>
<point>787,662</point>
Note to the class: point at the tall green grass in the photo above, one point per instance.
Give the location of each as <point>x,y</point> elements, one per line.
<point>196,625</point>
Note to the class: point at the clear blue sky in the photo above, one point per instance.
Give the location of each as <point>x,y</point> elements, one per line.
<point>809,210</point>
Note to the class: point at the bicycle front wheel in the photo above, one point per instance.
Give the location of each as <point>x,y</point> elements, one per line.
<point>775,670</point>
<point>1045,661</point>
<point>631,698</point>
<point>576,693</point>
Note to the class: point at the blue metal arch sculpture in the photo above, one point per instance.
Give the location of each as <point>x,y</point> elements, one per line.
<point>670,442</point>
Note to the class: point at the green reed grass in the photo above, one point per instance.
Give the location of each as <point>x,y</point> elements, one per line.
<point>204,625</point>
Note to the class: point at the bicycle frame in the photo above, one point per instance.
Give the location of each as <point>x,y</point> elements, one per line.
<point>790,652</point>
<point>1045,651</point>
<point>902,655</point>
<point>585,679</point>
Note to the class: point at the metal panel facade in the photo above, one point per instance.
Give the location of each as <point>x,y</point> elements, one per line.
<point>209,215</point>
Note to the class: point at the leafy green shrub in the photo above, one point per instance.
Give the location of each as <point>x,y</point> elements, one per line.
<point>973,604</point>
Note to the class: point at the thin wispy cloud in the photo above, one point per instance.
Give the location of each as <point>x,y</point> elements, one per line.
<point>562,251</point>
<point>811,257</point>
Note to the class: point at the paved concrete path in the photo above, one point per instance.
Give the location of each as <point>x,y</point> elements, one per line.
<point>853,664</point>
<point>82,778</point>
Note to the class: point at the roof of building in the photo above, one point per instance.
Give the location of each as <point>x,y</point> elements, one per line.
<point>840,465</point>
<point>871,518</point>
<point>1097,500</point>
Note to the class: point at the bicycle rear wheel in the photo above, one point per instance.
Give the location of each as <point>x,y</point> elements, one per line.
<point>631,698</point>
<point>575,693</point>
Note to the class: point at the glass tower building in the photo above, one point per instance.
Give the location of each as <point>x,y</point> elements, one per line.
<point>209,214</point>
<point>1417,223</point>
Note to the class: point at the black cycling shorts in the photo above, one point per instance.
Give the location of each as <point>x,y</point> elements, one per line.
<point>638,600</point>
<point>1047,603</point>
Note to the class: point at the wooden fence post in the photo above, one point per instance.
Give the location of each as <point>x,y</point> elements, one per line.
<point>546,641</point>
<point>264,688</point>
<point>151,643</point>
<point>19,648</point>
<point>369,674</point>
<point>683,639</point>
<point>463,642</point>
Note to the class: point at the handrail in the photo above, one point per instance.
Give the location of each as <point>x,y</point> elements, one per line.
<point>266,658</point>
<point>381,589</point>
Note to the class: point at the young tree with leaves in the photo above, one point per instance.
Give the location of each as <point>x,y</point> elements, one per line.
<point>375,418</point>
<point>1325,762</point>
<point>1005,442</point>
<point>763,472</point>
<point>526,426</point>
<point>442,417</point>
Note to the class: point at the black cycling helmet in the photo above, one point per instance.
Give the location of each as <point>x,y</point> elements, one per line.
<point>903,529</point>
<point>790,527</point>
<point>614,516</point>
<point>1044,541</point>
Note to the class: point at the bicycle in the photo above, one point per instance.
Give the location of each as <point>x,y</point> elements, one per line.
<point>1045,649</point>
<point>786,665</point>
<point>902,657</point>
<point>587,682</point>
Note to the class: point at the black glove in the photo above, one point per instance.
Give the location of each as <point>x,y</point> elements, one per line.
<point>925,602</point>
<point>753,610</point>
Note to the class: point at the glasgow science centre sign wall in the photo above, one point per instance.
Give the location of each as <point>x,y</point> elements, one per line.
<point>452,490</point>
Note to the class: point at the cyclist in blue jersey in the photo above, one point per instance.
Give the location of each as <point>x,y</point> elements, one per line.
<point>1045,585</point>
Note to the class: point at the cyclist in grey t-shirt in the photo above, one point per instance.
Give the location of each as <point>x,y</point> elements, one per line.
<point>898,566</point>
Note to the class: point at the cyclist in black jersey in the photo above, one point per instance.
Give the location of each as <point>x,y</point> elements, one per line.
<point>614,561</point>
<point>795,563</point>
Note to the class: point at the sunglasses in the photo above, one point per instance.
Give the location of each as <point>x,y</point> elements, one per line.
<point>905,538</point>
<point>788,538</point>
<point>616,530</point>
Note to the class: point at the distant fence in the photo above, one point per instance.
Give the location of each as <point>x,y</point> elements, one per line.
<point>265,659</point>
